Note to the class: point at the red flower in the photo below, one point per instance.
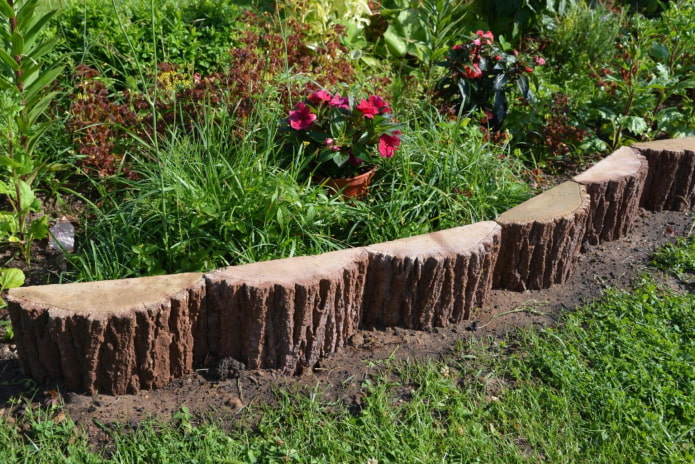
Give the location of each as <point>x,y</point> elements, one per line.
<point>388,144</point>
<point>340,102</point>
<point>473,72</point>
<point>375,105</point>
<point>301,117</point>
<point>368,109</point>
<point>317,98</point>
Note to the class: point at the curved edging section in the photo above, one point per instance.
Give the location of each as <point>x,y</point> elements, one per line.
<point>122,336</point>
<point>670,184</point>
<point>541,238</point>
<point>285,314</point>
<point>430,280</point>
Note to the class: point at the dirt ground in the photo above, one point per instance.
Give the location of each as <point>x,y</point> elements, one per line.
<point>612,264</point>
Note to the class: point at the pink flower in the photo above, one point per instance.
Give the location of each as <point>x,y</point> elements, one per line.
<point>477,42</point>
<point>368,108</point>
<point>301,117</point>
<point>539,60</point>
<point>388,144</point>
<point>473,72</point>
<point>340,102</point>
<point>375,105</point>
<point>489,36</point>
<point>320,97</point>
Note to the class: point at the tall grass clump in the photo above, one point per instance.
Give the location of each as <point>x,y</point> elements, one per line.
<point>208,198</point>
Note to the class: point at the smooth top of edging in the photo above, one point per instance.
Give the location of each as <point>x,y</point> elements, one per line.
<point>457,240</point>
<point>622,163</point>
<point>675,145</point>
<point>108,296</point>
<point>557,202</point>
<point>290,270</point>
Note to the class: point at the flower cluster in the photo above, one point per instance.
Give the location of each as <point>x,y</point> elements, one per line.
<point>341,135</point>
<point>479,72</point>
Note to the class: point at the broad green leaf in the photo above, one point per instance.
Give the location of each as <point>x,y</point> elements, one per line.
<point>395,42</point>
<point>27,196</point>
<point>11,278</point>
<point>17,44</point>
<point>38,229</point>
<point>634,124</point>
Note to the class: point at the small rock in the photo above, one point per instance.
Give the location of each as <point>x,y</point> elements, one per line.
<point>235,403</point>
<point>356,340</point>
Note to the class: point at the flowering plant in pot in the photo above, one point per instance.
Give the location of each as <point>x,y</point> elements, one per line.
<point>479,75</point>
<point>342,137</point>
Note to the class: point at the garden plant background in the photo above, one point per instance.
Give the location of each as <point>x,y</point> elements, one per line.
<point>161,135</point>
<point>159,129</point>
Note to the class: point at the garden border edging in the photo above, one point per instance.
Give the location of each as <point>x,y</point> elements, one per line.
<point>122,336</point>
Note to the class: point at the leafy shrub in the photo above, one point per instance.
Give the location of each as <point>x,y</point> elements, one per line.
<point>478,75</point>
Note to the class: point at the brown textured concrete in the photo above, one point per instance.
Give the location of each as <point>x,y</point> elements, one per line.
<point>285,314</point>
<point>113,336</point>
<point>670,183</point>
<point>430,280</point>
<point>541,238</point>
<point>615,185</point>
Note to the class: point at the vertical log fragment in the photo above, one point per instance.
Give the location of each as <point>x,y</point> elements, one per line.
<point>430,280</point>
<point>615,185</point>
<point>541,239</point>
<point>286,314</point>
<point>670,183</point>
<point>114,337</point>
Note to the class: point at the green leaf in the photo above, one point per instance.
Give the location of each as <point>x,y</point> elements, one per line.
<point>11,278</point>
<point>395,42</point>
<point>42,48</point>
<point>8,60</point>
<point>31,35</point>
<point>634,124</point>
<point>17,44</point>
<point>10,162</point>
<point>6,10</point>
<point>38,229</point>
<point>42,82</point>
<point>26,202</point>
<point>26,13</point>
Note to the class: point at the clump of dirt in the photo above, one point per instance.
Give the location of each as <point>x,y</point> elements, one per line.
<point>228,388</point>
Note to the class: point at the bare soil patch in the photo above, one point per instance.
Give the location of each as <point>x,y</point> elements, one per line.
<point>225,391</point>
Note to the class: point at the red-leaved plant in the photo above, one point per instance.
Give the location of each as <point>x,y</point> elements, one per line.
<point>342,136</point>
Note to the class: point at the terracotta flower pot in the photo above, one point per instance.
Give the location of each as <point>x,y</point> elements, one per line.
<point>351,187</point>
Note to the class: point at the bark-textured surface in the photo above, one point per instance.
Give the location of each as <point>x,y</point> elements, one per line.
<point>670,184</point>
<point>114,337</point>
<point>615,185</point>
<point>285,314</point>
<point>541,239</point>
<point>430,280</point>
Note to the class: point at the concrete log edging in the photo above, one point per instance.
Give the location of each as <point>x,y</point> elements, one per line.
<point>119,337</point>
